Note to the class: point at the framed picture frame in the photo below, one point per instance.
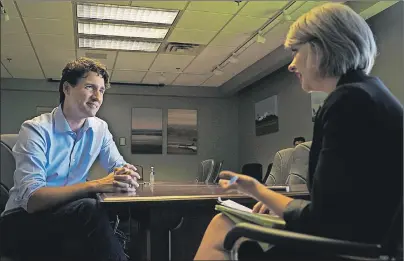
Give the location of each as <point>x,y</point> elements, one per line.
<point>147,131</point>
<point>266,116</point>
<point>182,131</point>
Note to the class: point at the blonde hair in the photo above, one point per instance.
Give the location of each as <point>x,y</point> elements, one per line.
<point>339,37</point>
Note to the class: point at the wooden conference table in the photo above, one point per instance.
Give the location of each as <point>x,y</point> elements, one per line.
<point>172,217</point>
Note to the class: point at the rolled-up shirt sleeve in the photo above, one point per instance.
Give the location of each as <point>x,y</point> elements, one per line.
<point>30,157</point>
<point>110,157</point>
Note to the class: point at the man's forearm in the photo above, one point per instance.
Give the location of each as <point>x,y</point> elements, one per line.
<point>47,197</point>
<point>275,201</point>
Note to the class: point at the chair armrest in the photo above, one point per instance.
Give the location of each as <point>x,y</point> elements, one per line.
<point>300,241</point>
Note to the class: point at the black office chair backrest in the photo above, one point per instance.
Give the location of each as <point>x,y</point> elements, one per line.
<point>3,196</point>
<point>393,242</point>
<point>267,173</point>
<point>7,142</point>
<point>253,170</point>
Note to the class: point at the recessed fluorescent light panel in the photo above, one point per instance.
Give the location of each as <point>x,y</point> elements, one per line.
<point>123,30</point>
<point>115,44</point>
<point>125,13</point>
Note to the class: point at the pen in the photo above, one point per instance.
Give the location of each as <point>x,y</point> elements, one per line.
<point>233,180</point>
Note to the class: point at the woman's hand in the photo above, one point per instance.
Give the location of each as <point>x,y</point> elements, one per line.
<point>245,184</point>
<point>260,208</point>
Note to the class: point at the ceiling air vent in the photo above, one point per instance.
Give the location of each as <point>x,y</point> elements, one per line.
<point>183,48</point>
<point>96,55</point>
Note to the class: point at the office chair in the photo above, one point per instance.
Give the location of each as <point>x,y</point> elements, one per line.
<point>205,170</point>
<point>253,170</point>
<point>299,166</point>
<point>215,175</point>
<point>4,195</point>
<point>267,174</point>
<point>7,142</point>
<point>280,168</point>
<point>391,247</point>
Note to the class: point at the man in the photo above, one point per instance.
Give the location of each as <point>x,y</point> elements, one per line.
<point>298,140</point>
<point>51,206</point>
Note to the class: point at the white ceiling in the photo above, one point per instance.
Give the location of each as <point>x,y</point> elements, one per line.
<point>39,39</point>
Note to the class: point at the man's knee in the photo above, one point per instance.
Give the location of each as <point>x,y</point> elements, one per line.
<point>85,210</point>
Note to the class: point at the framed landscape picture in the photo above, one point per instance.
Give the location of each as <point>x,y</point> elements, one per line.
<point>182,131</point>
<point>266,116</point>
<point>147,131</point>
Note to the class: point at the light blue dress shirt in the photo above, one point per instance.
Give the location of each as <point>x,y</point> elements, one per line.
<point>49,154</point>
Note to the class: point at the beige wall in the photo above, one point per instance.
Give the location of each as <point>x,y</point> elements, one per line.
<point>388,28</point>
<point>217,122</point>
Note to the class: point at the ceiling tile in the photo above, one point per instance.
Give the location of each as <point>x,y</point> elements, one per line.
<point>53,71</point>
<point>50,26</point>
<point>209,58</point>
<point>244,24</point>
<point>4,72</point>
<point>53,41</point>
<point>56,54</point>
<point>224,7</point>
<point>55,57</point>
<point>228,39</point>
<point>9,6</point>
<point>24,63</point>
<point>170,63</point>
<point>175,5</point>
<point>154,78</point>
<point>217,80</point>
<point>46,9</point>
<point>276,35</point>
<point>127,76</point>
<point>262,8</point>
<point>15,40</point>
<point>16,54</point>
<point>134,61</point>
<point>191,36</point>
<point>185,79</point>
<point>203,21</point>
<point>252,54</point>
<point>109,62</point>
<point>236,68</point>
<point>300,8</point>
<point>12,26</point>
<point>255,51</point>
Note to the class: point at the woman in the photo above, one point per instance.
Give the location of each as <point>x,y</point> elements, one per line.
<point>355,165</point>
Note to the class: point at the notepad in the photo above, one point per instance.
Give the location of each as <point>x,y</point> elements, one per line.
<point>239,213</point>
<point>234,205</point>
